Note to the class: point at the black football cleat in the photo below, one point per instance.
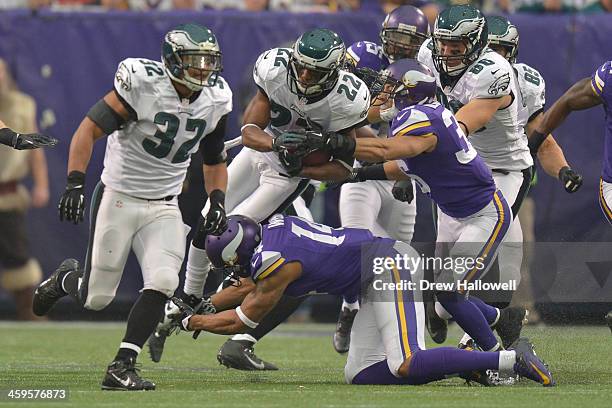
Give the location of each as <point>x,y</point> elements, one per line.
<point>239,354</point>
<point>609,320</point>
<point>50,291</point>
<point>528,365</point>
<point>123,376</point>
<point>510,324</point>
<point>342,336</point>
<point>436,326</point>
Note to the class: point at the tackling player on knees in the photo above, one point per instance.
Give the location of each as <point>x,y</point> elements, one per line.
<point>157,115</point>
<point>388,342</point>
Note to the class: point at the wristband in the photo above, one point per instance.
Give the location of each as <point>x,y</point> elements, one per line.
<point>247,125</point>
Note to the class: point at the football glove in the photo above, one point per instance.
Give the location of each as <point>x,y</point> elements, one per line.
<point>25,141</point>
<point>182,314</point>
<point>288,141</point>
<point>403,191</point>
<point>72,203</point>
<point>291,162</point>
<point>571,179</point>
<point>339,144</point>
<point>215,222</point>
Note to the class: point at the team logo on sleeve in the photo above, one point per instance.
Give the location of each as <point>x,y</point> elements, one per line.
<point>500,85</point>
<point>123,77</point>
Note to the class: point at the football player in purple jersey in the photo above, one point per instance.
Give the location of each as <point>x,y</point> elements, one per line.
<point>295,257</point>
<point>429,147</point>
<point>586,93</point>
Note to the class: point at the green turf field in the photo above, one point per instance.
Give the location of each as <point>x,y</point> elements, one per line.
<point>74,356</point>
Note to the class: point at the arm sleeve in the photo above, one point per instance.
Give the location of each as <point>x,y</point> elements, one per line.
<point>212,148</point>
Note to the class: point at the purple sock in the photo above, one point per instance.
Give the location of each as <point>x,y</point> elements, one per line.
<point>429,365</point>
<point>489,312</point>
<point>469,317</point>
<point>443,361</point>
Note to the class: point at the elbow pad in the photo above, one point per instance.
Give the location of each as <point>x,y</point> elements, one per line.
<point>105,117</point>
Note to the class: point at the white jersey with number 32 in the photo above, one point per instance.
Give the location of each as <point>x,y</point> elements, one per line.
<point>343,107</point>
<point>149,157</point>
<point>502,142</point>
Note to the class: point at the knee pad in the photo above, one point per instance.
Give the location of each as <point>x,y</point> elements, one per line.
<point>22,277</point>
<point>199,236</point>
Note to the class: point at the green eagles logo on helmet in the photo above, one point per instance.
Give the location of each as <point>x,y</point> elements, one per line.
<point>191,56</point>
<point>316,59</point>
<point>502,33</point>
<point>459,23</point>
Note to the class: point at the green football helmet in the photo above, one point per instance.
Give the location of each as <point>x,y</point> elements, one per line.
<point>459,23</point>
<point>191,56</point>
<point>504,34</point>
<point>315,62</point>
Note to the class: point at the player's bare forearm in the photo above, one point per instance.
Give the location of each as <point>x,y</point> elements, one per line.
<point>551,157</point>
<point>82,144</point>
<point>232,296</point>
<point>393,171</point>
<point>478,112</point>
<point>332,171</point>
<point>377,149</point>
<point>226,322</point>
<point>364,131</point>
<point>257,113</point>
<point>580,96</point>
<point>215,177</point>
<point>374,114</point>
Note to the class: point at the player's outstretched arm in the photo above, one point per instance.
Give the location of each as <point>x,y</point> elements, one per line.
<point>400,147</point>
<point>253,309</point>
<point>478,112</point>
<point>256,118</point>
<point>580,96</point>
<point>552,159</point>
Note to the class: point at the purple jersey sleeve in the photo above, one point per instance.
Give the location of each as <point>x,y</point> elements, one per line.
<point>411,122</point>
<point>600,78</point>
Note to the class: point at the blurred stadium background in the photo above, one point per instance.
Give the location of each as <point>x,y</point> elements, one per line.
<point>65,58</point>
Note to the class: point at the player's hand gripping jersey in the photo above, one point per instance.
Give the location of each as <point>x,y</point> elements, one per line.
<point>343,107</point>
<point>502,143</point>
<point>149,157</point>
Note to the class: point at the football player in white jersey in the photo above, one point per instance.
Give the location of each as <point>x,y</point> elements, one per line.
<point>299,88</point>
<point>478,85</point>
<point>157,115</point>
<point>504,39</point>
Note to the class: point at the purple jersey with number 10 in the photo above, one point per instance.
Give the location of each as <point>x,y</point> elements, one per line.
<point>601,81</point>
<point>453,174</point>
<point>331,258</point>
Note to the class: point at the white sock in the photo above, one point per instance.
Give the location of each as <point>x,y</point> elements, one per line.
<point>246,337</point>
<point>507,358</point>
<point>496,319</point>
<point>350,306</point>
<point>130,346</point>
<point>198,266</point>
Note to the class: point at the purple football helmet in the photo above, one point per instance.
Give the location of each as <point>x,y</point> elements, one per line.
<point>403,32</point>
<point>365,59</point>
<point>231,252</point>
<point>408,82</point>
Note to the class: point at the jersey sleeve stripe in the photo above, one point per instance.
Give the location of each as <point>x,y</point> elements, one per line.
<point>597,84</point>
<point>270,269</point>
<point>412,127</point>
